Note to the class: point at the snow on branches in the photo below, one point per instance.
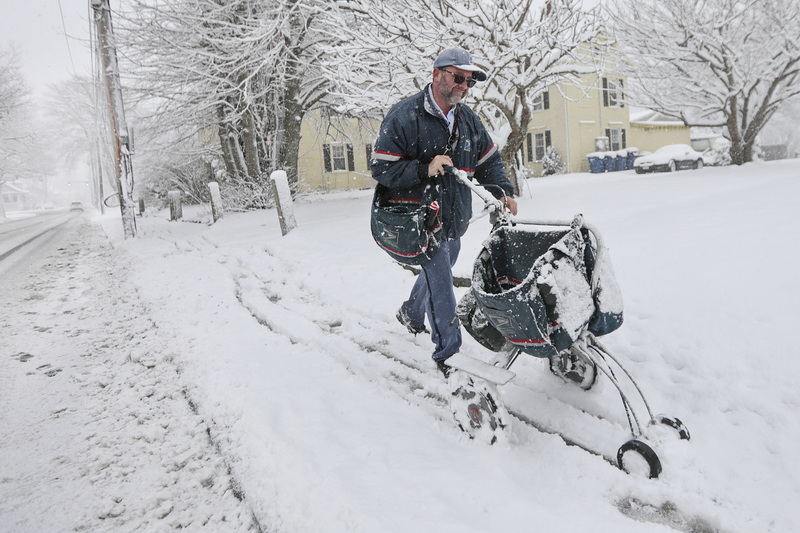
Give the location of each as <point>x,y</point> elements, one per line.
<point>524,46</point>
<point>721,63</point>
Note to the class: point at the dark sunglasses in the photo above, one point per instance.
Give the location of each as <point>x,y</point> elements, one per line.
<point>458,79</point>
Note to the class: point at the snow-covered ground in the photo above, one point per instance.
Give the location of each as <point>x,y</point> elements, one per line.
<point>227,377</point>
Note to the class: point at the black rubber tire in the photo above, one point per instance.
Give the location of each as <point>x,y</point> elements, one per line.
<point>585,384</point>
<point>644,451</point>
<point>676,424</point>
<point>672,166</point>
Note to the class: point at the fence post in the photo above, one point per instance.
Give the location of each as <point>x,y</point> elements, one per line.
<point>216,201</point>
<point>283,201</point>
<point>175,207</point>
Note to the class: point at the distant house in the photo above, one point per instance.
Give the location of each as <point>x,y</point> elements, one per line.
<point>16,197</point>
<point>593,117</point>
<point>335,152</point>
<point>653,130</point>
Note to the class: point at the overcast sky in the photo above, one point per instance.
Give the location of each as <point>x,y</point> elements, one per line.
<point>47,55</point>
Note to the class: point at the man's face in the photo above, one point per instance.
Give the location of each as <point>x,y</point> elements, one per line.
<point>447,87</point>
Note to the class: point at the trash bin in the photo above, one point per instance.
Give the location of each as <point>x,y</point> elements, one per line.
<point>596,163</point>
<point>621,159</point>
<point>610,161</point>
<point>632,154</point>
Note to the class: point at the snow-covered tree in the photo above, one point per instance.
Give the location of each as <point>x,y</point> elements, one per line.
<point>720,63</point>
<point>552,162</point>
<point>14,98</point>
<point>524,46</point>
<point>16,134</point>
<point>13,90</point>
<point>242,68</point>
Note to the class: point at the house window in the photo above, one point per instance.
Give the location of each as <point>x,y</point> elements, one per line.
<point>612,92</point>
<point>338,156</point>
<point>542,101</point>
<point>537,145</point>
<point>616,138</point>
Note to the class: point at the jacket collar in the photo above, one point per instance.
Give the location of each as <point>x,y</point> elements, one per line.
<point>430,105</point>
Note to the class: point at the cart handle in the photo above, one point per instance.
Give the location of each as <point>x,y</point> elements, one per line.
<point>482,193</point>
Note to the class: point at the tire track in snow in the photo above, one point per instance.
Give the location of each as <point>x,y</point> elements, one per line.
<point>314,323</point>
<point>286,307</point>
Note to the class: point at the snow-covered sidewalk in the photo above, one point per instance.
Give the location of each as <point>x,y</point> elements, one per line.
<point>96,433</point>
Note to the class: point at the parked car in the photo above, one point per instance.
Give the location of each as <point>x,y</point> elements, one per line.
<point>76,206</point>
<point>669,158</point>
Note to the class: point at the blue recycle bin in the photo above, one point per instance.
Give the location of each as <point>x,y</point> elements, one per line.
<point>632,154</point>
<point>610,163</point>
<point>596,165</point>
<point>621,161</point>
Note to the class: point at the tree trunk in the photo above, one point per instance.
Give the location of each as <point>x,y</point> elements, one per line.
<point>737,150</point>
<point>237,155</point>
<point>509,156</point>
<point>292,134</point>
<point>250,141</point>
<point>229,142</point>
<point>227,157</point>
<point>516,139</point>
<point>277,125</point>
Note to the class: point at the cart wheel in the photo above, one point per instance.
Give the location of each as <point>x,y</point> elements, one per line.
<point>573,367</point>
<point>674,423</point>
<point>475,410</point>
<point>636,457</point>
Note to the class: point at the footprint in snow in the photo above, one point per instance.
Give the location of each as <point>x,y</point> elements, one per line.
<point>50,371</point>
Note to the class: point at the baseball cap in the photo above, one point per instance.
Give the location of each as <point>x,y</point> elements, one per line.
<point>459,58</point>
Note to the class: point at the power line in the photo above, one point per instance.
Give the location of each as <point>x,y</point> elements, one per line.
<point>66,38</point>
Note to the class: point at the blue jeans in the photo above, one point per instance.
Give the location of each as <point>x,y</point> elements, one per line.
<point>433,296</point>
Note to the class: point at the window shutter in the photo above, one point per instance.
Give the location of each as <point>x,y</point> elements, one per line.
<point>326,155</point>
<point>547,139</point>
<point>530,147</point>
<point>608,136</point>
<point>351,162</point>
<point>546,99</point>
<point>605,92</point>
<point>621,94</point>
<point>369,155</point>
<point>624,141</point>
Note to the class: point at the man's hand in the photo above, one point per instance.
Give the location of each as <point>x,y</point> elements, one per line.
<point>436,166</point>
<point>509,204</point>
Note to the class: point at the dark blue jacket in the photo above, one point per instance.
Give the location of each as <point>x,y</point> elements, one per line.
<point>413,132</point>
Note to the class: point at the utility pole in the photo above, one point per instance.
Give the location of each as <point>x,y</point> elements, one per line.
<point>119,128</point>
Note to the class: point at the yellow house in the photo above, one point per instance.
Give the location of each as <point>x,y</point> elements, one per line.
<point>654,130</point>
<point>594,117</point>
<point>576,121</point>
<point>335,152</point>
